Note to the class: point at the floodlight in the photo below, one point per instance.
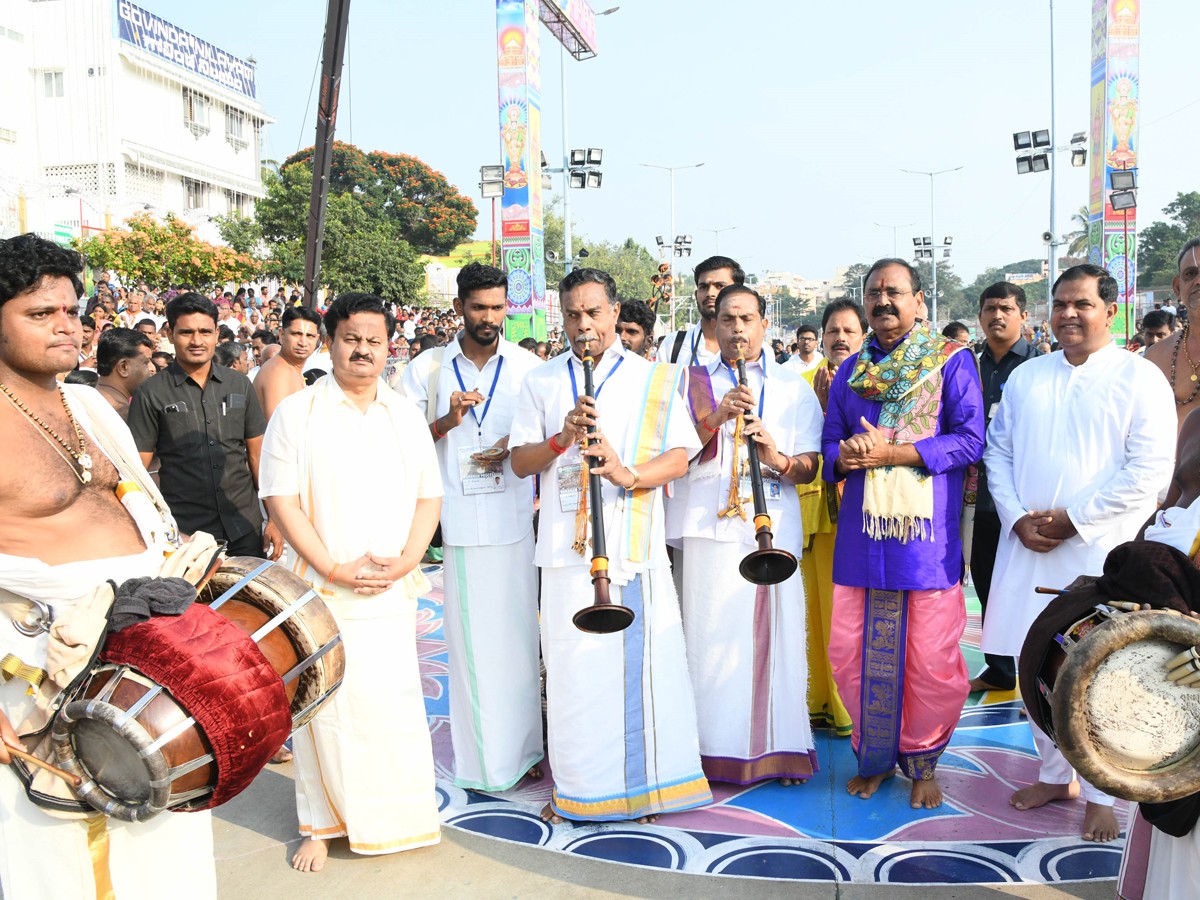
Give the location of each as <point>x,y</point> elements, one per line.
<point>679,238</point>
<point>1124,179</point>
<point>1022,140</point>
<point>595,156</point>
<point>578,157</point>
<point>658,238</point>
<point>1041,162</point>
<point>916,242</point>
<point>1078,157</point>
<point>687,238</point>
<point>687,251</point>
<point>1079,137</point>
<point>496,173</point>
<point>948,241</point>
<point>491,189</point>
<point>926,241</point>
<point>1041,138</point>
<point>578,179</point>
<point>583,253</point>
<point>1024,165</point>
<point>594,179</point>
<point>1122,200</point>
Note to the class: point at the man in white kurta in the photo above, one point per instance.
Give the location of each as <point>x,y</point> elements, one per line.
<point>746,642</point>
<point>349,472</point>
<point>621,719</point>
<point>1077,455</point>
<point>491,592</point>
<point>695,346</point>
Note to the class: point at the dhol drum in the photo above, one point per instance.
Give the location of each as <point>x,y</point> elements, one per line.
<point>1105,700</point>
<point>183,712</point>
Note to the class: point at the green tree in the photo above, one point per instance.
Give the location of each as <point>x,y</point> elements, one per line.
<point>427,210</point>
<point>1077,237</point>
<point>164,254</point>
<point>629,263</point>
<point>1159,242</point>
<point>242,233</point>
<point>361,252</point>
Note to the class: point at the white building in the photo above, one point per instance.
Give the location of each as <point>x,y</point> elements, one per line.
<point>108,110</point>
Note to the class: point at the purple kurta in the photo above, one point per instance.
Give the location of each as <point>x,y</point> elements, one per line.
<point>859,561</point>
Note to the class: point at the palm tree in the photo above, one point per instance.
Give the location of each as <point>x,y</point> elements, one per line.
<point>1078,237</point>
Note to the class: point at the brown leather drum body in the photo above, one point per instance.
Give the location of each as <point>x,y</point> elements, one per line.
<point>137,746</point>
<point>1113,713</point>
<point>298,637</point>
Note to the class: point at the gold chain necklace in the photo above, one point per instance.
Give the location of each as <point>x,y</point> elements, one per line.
<point>82,458</point>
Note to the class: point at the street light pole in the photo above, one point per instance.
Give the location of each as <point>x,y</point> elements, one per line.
<point>895,252</point>
<point>932,237</point>
<point>1052,268</point>
<point>671,237</point>
<point>716,232</point>
<point>566,166</point>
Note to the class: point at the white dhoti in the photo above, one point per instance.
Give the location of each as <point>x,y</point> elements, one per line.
<point>43,856</point>
<point>364,764</point>
<point>622,721</point>
<point>746,652</point>
<point>491,627</point>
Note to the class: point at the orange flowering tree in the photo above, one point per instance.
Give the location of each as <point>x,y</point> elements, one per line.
<point>165,254</point>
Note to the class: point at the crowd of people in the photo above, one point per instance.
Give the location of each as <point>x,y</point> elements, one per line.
<point>892,461</point>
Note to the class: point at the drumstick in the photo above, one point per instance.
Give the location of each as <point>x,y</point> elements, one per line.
<point>73,780</point>
<point>1045,590</point>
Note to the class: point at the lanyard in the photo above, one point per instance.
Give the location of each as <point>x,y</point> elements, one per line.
<point>575,389</point>
<point>488,405</point>
<point>762,396</point>
<point>695,345</point>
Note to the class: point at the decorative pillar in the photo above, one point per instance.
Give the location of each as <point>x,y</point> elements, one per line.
<point>520,85</point>
<point>1116,27</point>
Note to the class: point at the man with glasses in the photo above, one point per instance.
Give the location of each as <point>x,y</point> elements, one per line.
<point>904,421</point>
<point>807,356</point>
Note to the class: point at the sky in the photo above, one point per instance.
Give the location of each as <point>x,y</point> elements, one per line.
<point>803,114</point>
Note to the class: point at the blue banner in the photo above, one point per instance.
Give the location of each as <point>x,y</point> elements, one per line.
<point>160,38</point>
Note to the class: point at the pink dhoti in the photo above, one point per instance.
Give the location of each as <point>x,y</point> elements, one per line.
<point>898,667</point>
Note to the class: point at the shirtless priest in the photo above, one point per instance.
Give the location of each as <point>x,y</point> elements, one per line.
<point>63,533</point>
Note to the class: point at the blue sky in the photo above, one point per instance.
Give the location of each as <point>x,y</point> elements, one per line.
<point>803,113</point>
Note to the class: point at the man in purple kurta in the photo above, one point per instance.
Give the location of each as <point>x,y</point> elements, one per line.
<point>903,423</point>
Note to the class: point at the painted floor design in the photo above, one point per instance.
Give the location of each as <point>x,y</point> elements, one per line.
<point>815,831</point>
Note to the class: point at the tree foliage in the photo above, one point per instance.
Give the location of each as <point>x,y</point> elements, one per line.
<point>1159,242</point>
<point>629,263</point>
<point>426,209</point>
<point>360,253</point>
<point>165,254</point>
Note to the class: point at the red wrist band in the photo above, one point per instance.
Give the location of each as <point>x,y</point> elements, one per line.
<point>554,445</point>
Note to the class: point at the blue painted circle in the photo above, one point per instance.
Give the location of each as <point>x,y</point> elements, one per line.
<point>520,286</point>
<point>941,866</point>
<point>1077,863</point>
<point>509,826</point>
<point>628,847</point>
<point>780,862</point>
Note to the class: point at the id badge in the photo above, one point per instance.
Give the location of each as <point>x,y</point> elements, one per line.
<point>568,487</point>
<point>773,489</point>
<point>745,488</point>
<point>479,476</point>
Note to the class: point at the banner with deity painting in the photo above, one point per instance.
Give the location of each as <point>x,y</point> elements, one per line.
<point>522,246</point>
<point>1115,99</point>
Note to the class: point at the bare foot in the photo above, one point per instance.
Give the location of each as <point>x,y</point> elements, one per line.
<point>311,855</point>
<point>647,820</point>
<point>926,794</point>
<point>549,815</point>
<point>1100,824</point>
<point>535,771</point>
<point>864,786</point>
<point>788,782</point>
<point>1040,793</point>
<point>282,755</point>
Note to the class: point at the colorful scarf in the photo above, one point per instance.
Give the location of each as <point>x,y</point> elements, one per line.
<point>898,500</point>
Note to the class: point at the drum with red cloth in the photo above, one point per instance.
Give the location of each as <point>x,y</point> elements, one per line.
<point>183,712</point>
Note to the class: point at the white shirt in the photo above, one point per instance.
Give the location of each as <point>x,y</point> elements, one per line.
<point>694,351</point>
<point>792,416</point>
<point>795,364</point>
<point>478,519</point>
<point>547,398</point>
<point>358,475</point>
<point>1096,439</point>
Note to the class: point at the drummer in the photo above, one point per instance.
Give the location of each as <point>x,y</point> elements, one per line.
<point>57,545</point>
<point>1076,457</point>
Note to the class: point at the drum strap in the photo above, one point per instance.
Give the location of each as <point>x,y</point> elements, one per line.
<point>11,667</point>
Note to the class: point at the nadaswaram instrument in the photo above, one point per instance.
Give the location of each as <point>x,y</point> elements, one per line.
<point>768,564</point>
<point>603,616</point>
